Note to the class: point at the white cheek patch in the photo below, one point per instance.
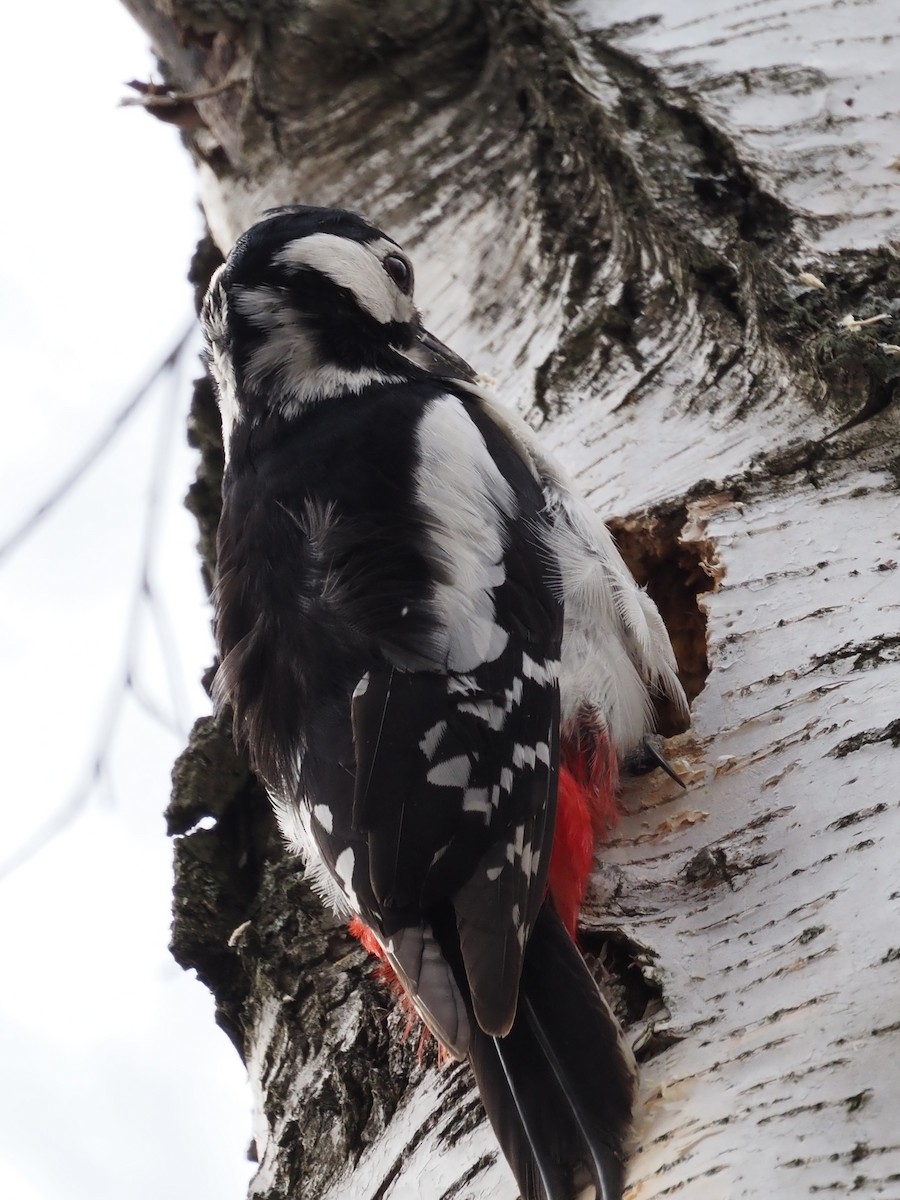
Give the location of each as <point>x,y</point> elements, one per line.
<point>288,362</point>
<point>353,265</point>
<point>287,347</point>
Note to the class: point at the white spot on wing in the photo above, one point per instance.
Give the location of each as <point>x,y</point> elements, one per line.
<point>526,860</point>
<point>492,714</point>
<point>324,816</point>
<point>542,673</point>
<point>523,756</point>
<point>432,739</point>
<point>477,800</point>
<point>343,869</point>
<point>520,839</point>
<point>454,772</point>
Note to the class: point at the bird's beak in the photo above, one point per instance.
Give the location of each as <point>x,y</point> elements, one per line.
<point>437,359</point>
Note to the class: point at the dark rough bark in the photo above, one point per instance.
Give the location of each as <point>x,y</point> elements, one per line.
<point>596,225</point>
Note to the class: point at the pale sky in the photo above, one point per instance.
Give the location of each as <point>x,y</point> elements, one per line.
<point>116,1083</point>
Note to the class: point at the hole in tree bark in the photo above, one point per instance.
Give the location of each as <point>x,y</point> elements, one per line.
<point>623,968</point>
<point>676,572</point>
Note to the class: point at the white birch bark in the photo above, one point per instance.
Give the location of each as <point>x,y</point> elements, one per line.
<point>623,213</point>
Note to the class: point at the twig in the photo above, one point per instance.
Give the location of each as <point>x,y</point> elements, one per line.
<point>69,481</point>
<point>168,646</point>
<point>124,679</point>
<point>66,814</point>
<point>154,99</point>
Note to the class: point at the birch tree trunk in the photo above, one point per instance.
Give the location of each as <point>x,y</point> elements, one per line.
<point>668,232</point>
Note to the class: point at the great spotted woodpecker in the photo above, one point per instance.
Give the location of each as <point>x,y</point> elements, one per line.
<point>426,638</point>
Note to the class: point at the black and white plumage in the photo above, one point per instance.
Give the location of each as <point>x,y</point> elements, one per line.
<point>401,574</point>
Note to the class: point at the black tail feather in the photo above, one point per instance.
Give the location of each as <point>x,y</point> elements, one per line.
<point>539,1157</point>
<point>559,1088</point>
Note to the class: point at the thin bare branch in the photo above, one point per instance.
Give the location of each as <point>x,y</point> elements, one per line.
<point>158,96</point>
<point>58,493</point>
<point>124,681</point>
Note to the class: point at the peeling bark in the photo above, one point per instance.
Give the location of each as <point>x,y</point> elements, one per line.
<point>648,223</point>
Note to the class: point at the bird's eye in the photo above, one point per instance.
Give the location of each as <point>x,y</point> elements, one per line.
<point>400,271</point>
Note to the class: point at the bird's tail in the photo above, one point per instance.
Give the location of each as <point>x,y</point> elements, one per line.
<point>559,1088</point>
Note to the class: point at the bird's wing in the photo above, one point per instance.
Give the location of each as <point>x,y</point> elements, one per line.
<point>616,652</point>
<point>456,766</point>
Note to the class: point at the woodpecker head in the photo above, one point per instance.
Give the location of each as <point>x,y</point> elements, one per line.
<point>314,304</point>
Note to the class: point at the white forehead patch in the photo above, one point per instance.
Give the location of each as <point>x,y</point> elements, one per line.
<point>353,265</point>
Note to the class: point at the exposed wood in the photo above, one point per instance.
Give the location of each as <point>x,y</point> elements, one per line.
<point>624,213</point>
